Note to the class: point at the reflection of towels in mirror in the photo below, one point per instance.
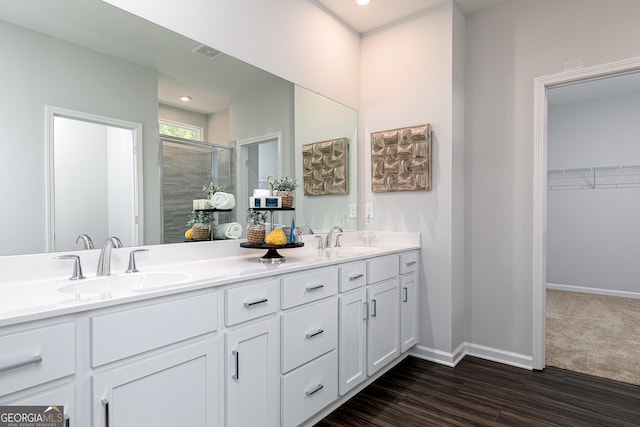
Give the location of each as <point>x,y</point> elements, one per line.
<point>221,200</point>
<point>230,230</point>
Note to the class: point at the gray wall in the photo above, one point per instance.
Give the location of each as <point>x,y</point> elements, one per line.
<point>41,71</point>
<point>593,235</point>
<point>507,47</point>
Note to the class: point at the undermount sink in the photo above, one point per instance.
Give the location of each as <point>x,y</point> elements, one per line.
<point>132,282</point>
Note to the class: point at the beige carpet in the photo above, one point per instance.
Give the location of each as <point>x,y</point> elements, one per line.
<point>594,334</point>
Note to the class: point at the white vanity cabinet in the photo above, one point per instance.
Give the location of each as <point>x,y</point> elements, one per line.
<point>309,339</point>
<point>378,314</point>
<point>37,367</point>
<point>352,351</point>
<point>408,300</point>
<point>156,364</point>
<point>251,355</point>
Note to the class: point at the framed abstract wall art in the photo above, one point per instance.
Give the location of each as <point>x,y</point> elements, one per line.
<point>326,167</point>
<point>401,159</point>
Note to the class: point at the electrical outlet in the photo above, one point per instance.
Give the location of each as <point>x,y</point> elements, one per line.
<point>369,210</point>
<point>353,210</point>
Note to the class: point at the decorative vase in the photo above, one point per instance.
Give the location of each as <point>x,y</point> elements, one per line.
<point>255,234</point>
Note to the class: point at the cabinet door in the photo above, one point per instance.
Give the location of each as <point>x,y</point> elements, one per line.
<point>61,395</point>
<point>178,387</point>
<point>252,375</point>
<point>383,332</point>
<point>353,339</point>
<point>408,311</point>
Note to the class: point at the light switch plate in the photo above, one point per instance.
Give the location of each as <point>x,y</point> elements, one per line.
<point>353,210</point>
<point>369,210</point>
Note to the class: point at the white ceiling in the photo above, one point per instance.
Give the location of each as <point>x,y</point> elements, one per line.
<point>382,12</point>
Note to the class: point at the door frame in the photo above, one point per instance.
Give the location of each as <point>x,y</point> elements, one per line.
<point>242,199</point>
<point>541,84</point>
<point>51,112</point>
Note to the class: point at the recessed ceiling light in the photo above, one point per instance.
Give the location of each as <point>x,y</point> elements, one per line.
<point>362,2</point>
<point>185,98</point>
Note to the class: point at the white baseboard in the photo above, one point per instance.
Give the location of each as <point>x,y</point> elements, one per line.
<point>596,291</point>
<point>464,349</point>
<point>438,356</point>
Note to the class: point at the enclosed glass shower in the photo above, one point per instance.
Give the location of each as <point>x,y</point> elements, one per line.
<point>186,167</point>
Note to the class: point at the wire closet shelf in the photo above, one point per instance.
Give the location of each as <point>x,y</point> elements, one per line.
<point>594,178</point>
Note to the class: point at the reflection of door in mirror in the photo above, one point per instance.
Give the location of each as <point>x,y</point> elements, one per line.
<point>259,158</point>
<point>93,181</point>
<point>186,167</point>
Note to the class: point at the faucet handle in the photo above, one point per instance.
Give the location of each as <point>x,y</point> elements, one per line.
<point>320,242</point>
<point>337,245</point>
<point>132,261</point>
<point>77,268</point>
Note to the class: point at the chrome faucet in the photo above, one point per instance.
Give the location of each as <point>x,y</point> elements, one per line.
<point>86,241</point>
<point>330,234</point>
<point>104,262</point>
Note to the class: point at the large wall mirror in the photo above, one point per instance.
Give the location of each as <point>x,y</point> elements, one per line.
<point>90,57</point>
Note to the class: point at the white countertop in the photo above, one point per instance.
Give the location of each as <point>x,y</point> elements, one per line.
<point>37,286</point>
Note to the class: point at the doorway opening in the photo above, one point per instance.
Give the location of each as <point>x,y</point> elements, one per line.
<point>257,159</point>
<point>94,179</point>
<point>541,87</point>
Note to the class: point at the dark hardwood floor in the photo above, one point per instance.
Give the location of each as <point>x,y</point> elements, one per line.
<point>483,393</point>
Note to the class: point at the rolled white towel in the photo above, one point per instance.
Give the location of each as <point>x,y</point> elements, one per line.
<point>260,192</point>
<point>229,230</point>
<point>221,200</point>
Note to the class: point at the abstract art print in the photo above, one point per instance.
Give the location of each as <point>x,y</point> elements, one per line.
<point>326,167</point>
<point>401,159</point>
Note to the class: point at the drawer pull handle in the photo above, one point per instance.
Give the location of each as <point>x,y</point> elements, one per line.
<point>356,276</point>
<point>315,390</point>
<point>252,303</point>
<point>34,360</point>
<point>314,287</point>
<point>410,262</point>
<point>374,308</point>
<point>236,374</point>
<point>310,335</point>
<point>405,298</point>
<point>105,403</point>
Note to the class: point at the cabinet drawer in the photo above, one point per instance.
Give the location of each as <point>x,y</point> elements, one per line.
<point>309,332</point>
<point>353,275</point>
<point>382,268</point>
<point>35,357</point>
<point>126,333</point>
<point>302,288</point>
<point>251,301</point>
<point>408,262</point>
<point>309,389</point>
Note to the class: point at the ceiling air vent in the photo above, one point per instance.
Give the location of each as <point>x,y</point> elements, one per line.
<point>207,51</point>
